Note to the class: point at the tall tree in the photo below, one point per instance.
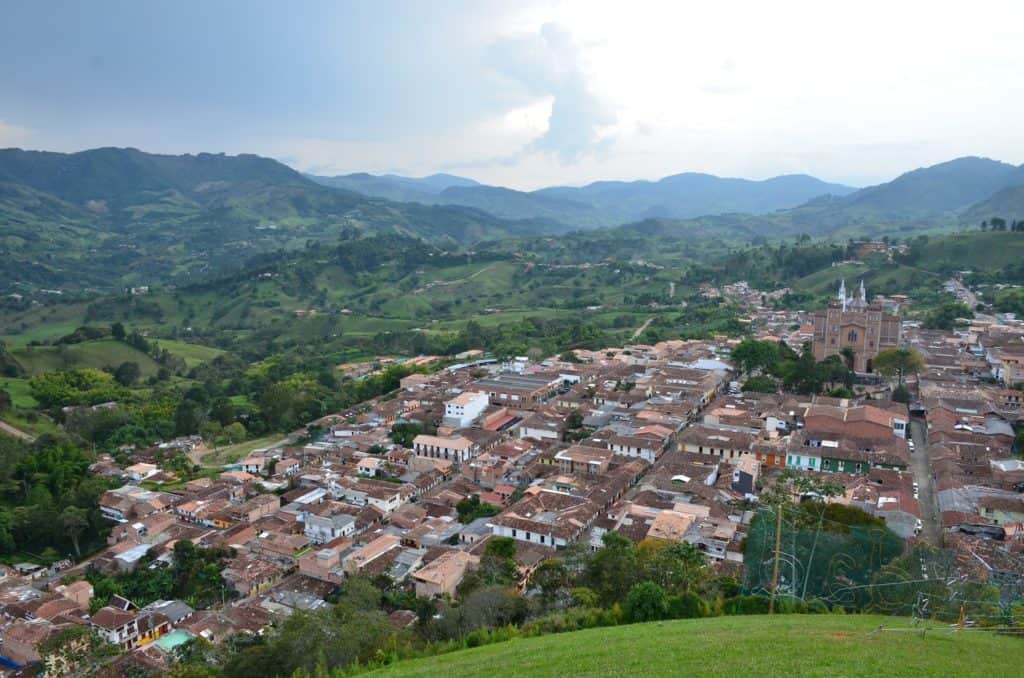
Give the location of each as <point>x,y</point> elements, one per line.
<point>898,362</point>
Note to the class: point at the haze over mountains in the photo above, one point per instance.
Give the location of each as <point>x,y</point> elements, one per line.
<point>109,217</point>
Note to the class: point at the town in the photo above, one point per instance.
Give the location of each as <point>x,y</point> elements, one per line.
<point>652,442</point>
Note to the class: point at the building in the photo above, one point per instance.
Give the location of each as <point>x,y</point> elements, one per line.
<point>464,409</point>
<point>517,390</point>
<point>455,448</point>
<point>442,575</point>
<point>322,529</point>
<point>853,323</point>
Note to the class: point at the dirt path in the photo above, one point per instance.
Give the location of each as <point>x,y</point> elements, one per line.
<point>17,433</point>
<point>640,330</point>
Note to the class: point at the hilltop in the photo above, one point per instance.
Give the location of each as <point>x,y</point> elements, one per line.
<point>755,645</point>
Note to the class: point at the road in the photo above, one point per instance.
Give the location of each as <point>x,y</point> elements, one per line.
<point>17,433</point>
<point>963,293</point>
<point>921,465</point>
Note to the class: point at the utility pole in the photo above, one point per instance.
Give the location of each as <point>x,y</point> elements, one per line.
<point>778,553</point>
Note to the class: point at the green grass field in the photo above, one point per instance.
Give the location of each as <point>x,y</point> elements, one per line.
<point>98,354</point>
<point>192,354</point>
<point>806,645</point>
<point>21,394</point>
<point>232,453</point>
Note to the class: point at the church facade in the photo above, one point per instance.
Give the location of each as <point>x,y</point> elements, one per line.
<point>854,323</point>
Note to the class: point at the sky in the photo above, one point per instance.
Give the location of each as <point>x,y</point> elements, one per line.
<point>523,94</point>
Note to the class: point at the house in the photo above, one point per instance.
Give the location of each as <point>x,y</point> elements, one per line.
<point>584,460</point>
<point>547,518</point>
<point>116,626</point>
<point>141,471</point>
<point>643,447</point>
<point>517,390</point>
<point>462,410</point>
<point>441,576</point>
<point>324,564</point>
<point>79,592</point>
<point>254,465</point>
<point>363,556</point>
<point>131,502</point>
<point>258,507</point>
<point>725,444</point>
<point>745,475</point>
<point>322,529</point>
<point>248,575</point>
<point>456,448</point>
<point>1002,510</point>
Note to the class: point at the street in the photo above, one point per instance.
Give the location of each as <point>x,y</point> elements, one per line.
<point>921,465</point>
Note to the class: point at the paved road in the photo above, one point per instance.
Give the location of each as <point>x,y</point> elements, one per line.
<point>17,433</point>
<point>921,465</point>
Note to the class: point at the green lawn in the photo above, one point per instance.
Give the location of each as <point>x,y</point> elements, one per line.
<point>232,453</point>
<point>104,352</point>
<point>806,645</point>
<point>192,354</point>
<point>29,422</point>
<point>21,394</point>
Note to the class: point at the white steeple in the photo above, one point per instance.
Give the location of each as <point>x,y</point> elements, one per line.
<point>863,294</point>
<point>842,293</point>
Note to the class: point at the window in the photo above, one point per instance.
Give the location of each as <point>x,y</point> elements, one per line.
<point>542,539</point>
<point>852,336</point>
<point>527,536</point>
<point>514,533</point>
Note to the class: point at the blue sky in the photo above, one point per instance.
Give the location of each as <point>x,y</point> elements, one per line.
<point>522,93</point>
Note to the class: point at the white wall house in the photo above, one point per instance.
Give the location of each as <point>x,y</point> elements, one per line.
<point>464,409</point>
<point>322,529</point>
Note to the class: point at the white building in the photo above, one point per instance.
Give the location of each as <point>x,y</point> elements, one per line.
<point>465,408</point>
<point>322,529</point>
<point>456,448</point>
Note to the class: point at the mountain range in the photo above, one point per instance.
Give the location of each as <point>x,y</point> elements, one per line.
<point>603,203</point>
<point>113,217</point>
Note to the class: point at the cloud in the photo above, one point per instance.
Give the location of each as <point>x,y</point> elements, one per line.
<point>549,64</point>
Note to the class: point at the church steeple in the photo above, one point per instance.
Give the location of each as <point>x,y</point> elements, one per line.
<point>842,293</point>
<point>863,294</point>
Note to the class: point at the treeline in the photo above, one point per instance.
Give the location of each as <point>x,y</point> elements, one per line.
<point>1000,224</point>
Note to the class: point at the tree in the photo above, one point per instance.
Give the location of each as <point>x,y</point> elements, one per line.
<point>898,362</point>
<point>849,356</point>
<point>5,400</point>
<point>646,602</point>
<point>761,384</point>
<point>127,373</point>
<point>74,521</point>
<point>574,420</point>
<point>947,316</point>
<point>117,331</point>
<point>751,355</point>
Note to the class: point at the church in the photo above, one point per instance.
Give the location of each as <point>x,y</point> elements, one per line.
<point>853,322</point>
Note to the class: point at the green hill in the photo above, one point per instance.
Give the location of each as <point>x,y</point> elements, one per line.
<point>822,645</point>
<point>98,354</point>
<point>112,217</point>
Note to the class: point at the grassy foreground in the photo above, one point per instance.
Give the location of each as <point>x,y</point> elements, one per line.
<point>815,645</point>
